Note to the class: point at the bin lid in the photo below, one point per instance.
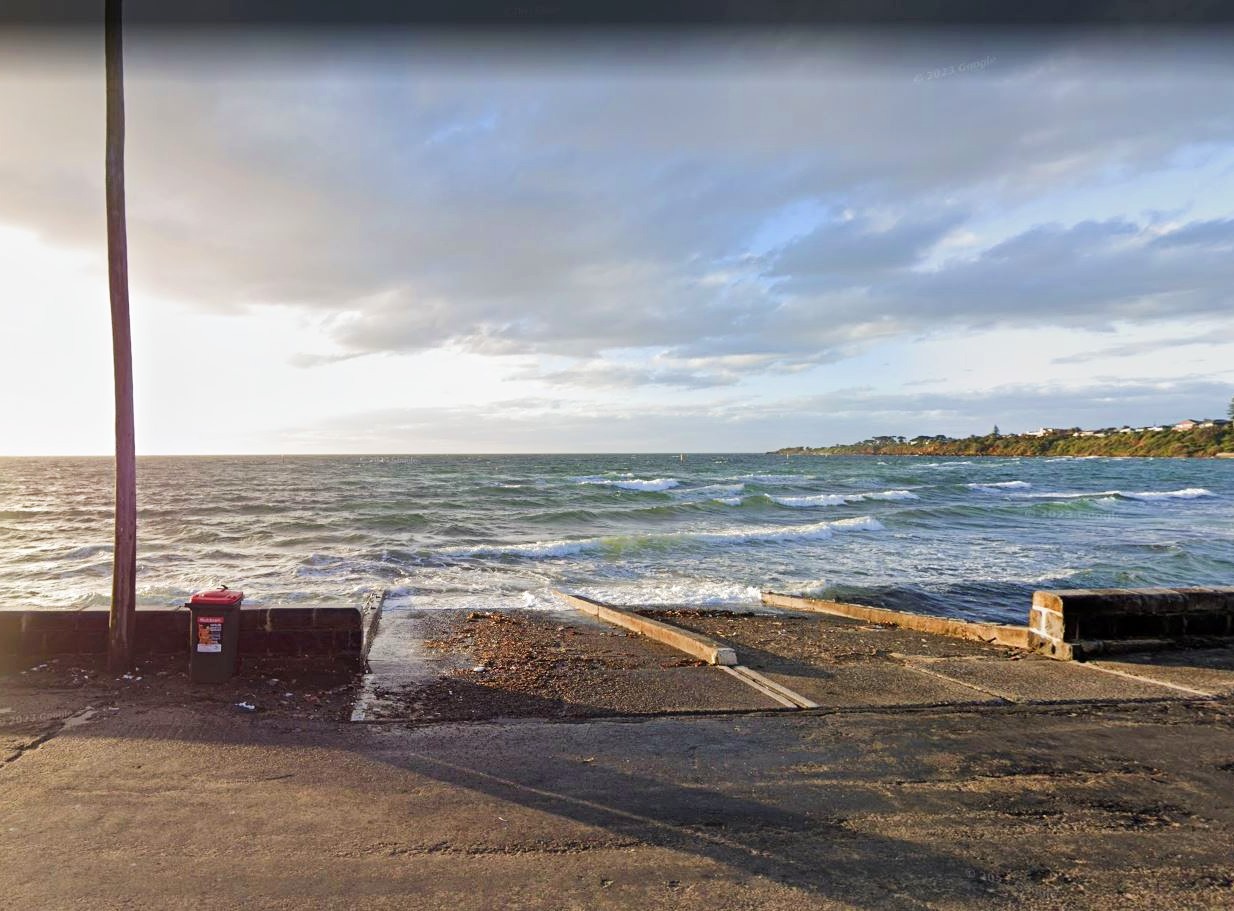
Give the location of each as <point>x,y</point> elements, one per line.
<point>219,597</point>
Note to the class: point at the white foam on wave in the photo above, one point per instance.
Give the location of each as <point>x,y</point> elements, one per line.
<point>534,600</point>
<point>532,550</point>
<point>654,485</point>
<point>727,501</point>
<point>1188,493</point>
<point>999,486</point>
<point>714,490</point>
<point>890,495</point>
<point>736,535</point>
<point>820,499</point>
<point>839,499</point>
<point>1149,496</point>
<point>675,592</point>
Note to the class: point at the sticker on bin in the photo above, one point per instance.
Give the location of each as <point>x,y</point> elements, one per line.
<point>209,634</point>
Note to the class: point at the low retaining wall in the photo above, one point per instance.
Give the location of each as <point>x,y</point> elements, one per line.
<point>991,633</point>
<point>338,633</point>
<point>688,641</point>
<point>1085,622</point>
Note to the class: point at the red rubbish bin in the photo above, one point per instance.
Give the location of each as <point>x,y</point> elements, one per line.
<point>214,644</point>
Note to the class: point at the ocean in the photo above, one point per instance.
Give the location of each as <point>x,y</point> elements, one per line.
<point>951,536</point>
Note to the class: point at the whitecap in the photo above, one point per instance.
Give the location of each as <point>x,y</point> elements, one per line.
<point>675,592</point>
<point>1188,493</point>
<point>890,495</point>
<point>723,490</point>
<point>999,486</point>
<point>533,550</point>
<point>737,535</point>
<point>820,499</point>
<point>838,499</point>
<point>1148,496</point>
<point>654,485</point>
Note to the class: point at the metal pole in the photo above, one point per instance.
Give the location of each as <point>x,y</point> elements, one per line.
<point>124,566</point>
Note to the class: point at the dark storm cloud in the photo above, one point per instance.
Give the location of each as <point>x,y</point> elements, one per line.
<point>511,204</point>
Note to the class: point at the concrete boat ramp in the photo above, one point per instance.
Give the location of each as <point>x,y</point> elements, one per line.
<point>592,660</point>
<point>788,760</point>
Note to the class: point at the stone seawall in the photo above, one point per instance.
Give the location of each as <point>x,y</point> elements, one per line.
<point>1081,623</point>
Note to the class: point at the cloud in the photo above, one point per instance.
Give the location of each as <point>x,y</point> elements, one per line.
<point>1149,346</point>
<point>546,206</point>
<point>738,424</point>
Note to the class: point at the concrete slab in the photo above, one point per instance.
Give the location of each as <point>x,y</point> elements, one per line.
<point>398,662</point>
<point>456,665</point>
<point>1206,670</point>
<point>1015,807</point>
<point>875,684</point>
<point>1041,680</point>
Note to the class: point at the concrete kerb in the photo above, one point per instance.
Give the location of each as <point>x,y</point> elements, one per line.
<point>699,646</point>
<point>691,643</point>
<point>1020,637</point>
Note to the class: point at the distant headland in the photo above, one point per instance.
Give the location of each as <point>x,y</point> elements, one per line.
<point>1209,438</point>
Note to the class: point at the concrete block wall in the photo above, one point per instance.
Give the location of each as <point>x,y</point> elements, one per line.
<point>325,633</point>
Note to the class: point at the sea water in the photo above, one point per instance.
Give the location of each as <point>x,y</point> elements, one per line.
<point>954,536</point>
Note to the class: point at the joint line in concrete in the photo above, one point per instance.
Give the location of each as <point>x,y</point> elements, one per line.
<point>1130,676</point>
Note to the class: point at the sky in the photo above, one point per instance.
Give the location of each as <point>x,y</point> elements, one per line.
<point>617,243</point>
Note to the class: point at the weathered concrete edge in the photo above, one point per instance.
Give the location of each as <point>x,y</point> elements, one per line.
<point>370,621</point>
<point>371,614</point>
<point>683,640</point>
<point>991,633</point>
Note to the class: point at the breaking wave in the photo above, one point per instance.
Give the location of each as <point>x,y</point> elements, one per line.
<point>1148,496</point>
<point>656,485</point>
<point>998,486</point>
<point>840,499</point>
<point>733,535</point>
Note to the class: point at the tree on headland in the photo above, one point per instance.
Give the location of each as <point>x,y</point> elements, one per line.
<point>995,433</point>
<point>1230,410</point>
<point>124,556</point>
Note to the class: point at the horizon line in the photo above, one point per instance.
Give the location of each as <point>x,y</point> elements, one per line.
<point>284,455</point>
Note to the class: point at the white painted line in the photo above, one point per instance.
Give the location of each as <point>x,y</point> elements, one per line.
<point>1173,686</point>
